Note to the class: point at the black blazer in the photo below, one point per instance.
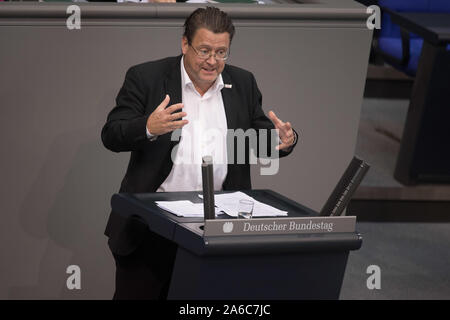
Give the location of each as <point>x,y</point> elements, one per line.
<point>144,88</point>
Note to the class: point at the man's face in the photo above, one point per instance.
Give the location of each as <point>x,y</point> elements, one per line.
<point>203,72</point>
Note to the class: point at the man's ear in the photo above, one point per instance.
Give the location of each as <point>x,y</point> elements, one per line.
<point>184,45</point>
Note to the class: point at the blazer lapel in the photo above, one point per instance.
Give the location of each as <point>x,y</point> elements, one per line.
<point>228,97</point>
<point>172,87</point>
<point>173,83</point>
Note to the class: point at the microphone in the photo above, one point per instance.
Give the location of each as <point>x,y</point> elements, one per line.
<point>208,188</point>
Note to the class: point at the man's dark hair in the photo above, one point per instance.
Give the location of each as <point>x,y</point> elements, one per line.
<point>210,18</point>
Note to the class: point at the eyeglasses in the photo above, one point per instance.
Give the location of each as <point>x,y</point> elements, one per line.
<point>205,53</point>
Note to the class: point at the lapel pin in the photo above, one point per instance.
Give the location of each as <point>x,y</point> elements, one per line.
<point>228,86</point>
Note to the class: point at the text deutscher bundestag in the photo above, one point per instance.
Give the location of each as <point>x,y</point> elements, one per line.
<point>292,226</point>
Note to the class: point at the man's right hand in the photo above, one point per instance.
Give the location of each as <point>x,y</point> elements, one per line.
<point>164,120</point>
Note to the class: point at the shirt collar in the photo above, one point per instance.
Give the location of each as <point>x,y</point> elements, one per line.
<point>186,81</point>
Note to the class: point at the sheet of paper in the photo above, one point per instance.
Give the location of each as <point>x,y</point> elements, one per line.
<point>229,203</point>
<point>183,208</point>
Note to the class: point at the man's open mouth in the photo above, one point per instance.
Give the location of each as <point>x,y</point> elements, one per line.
<point>209,69</point>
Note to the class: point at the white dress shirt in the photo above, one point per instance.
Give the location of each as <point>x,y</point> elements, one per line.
<point>205,134</point>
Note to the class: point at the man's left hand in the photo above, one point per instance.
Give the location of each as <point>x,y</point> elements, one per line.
<point>285,132</point>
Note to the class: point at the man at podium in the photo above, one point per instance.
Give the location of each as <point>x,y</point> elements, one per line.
<point>202,95</point>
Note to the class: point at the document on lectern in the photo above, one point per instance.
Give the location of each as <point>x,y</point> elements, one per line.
<point>183,208</point>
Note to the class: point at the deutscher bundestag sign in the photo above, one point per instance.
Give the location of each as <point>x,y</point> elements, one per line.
<point>259,226</point>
